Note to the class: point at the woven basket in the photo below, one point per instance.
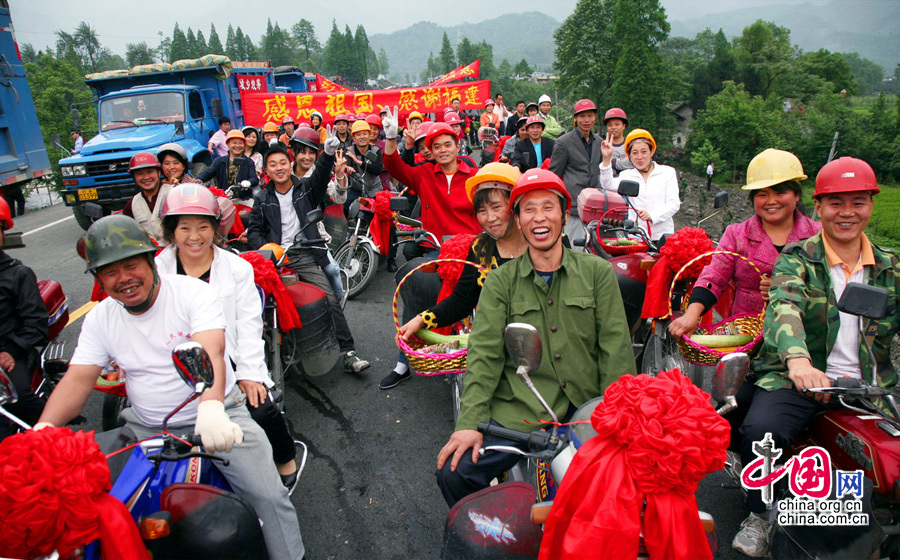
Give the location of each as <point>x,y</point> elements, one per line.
<point>425,363</point>
<point>745,323</point>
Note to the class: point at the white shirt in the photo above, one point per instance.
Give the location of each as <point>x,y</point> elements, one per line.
<point>290,222</point>
<point>843,361</point>
<point>709,169</point>
<point>658,195</point>
<point>232,279</point>
<point>142,345</point>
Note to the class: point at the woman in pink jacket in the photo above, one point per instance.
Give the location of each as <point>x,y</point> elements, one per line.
<point>772,179</point>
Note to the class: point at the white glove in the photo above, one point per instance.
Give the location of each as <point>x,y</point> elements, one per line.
<point>390,124</point>
<point>245,183</point>
<point>331,142</point>
<point>215,428</point>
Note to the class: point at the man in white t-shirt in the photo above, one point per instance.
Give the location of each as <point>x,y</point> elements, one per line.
<point>138,326</point>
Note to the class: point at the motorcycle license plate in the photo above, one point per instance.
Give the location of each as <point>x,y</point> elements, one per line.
<point>87,194</point>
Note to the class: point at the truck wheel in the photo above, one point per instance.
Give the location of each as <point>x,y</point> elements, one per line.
<point>83,219</point>
<point>198,167</point>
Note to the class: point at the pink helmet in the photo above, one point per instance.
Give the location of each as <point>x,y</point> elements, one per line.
<point>422,130</point>
<point>190,199</point>
<point>615,113</point>
<point>535,119</point>
<point>452,118</point>
<point>287,119</point>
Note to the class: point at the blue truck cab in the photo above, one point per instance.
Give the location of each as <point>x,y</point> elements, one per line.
<point>23,155</point>
<point>141,109</point>
<point>290,79</point>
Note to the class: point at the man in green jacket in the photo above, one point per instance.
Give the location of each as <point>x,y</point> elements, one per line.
<point>552,128</point>
<point>808,343</point>
<point>574,302</point>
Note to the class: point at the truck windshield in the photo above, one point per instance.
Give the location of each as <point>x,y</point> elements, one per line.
<point>141,109</point>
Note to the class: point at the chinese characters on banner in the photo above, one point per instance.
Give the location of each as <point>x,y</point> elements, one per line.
<point>260,108</point>
<point>467,71</point>
<point>324,84</point>
<point>251,84</point>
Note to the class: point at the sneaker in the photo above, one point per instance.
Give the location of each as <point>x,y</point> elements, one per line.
<point>290,481</point>
<point>733,465</point>
<point>393,379</point>
<point>353,363</point>
<point>753,538</point>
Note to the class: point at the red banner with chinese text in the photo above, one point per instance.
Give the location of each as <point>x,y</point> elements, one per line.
<point>251,83</point>
<point>260,108</point>
<point>324,84</point>
<point>467,71</point>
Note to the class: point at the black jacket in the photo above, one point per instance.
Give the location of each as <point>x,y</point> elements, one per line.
<point>219,171</point>
<point>23,315</point>
<point>369,172</point>
<point>264,223</point>
<point>524,157</point>
<point>512,124</point>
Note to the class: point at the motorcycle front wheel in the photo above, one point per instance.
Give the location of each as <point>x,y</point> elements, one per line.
<point>661,353</point>
<point>112,406</point>
<point>359,262</point>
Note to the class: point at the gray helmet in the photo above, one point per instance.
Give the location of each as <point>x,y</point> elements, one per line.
<point>172,148</point>
<point>114,238</point>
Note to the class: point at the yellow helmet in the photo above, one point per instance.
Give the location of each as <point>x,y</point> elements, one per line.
<point>360,126</point>
<point>493,173</point>
<point>636,134</point>
<point>771,167</point>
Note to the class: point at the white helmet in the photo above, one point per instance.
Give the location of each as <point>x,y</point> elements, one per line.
<point>544,99</point>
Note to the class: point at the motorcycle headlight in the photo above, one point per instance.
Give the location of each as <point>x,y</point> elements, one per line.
<point>66,171</point>
<point>79,170</point>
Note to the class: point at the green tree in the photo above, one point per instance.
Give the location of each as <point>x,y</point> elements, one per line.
<point>361,51</point>
<point>639,82</point>
<point>708,78</point>
<point>248,49</point>
<point>180,48</point>
<point>336,52</point>
<point>232,48</point>
<point>831,67</point>
<point>868,74</point>
<point>276,45</point>
<point>738,124</point>
<point>28,53</point>
<point>201,48</point>
<point>161,52</point>
<point>88,45</point>
<point>522,68</point>
<point>215,44</point>
<point>586,50</point>
<point>764,55</point>
<point>138,53</point>
<point>191,43</point>
<point>305,37</point>
<point>383,64</point>
<point>446,56</point>
<point>704,155</point>
<point>505,68</point>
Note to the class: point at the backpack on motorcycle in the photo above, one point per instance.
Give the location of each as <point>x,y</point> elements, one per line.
<point>57,306</point>
<point>493,524</point>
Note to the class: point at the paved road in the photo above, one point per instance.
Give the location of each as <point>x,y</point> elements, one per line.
<point>368,490</point>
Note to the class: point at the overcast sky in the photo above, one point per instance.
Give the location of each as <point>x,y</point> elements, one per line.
<point>119,22</point>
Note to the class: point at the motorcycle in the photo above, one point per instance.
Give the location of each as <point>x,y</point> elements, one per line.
<point>858,435</point>
<point>505,521</point>
<point>181,503</point>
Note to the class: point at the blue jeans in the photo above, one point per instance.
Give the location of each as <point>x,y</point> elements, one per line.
<point>333,272</point>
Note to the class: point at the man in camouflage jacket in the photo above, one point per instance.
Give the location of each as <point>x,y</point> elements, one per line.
<point>807,342</point>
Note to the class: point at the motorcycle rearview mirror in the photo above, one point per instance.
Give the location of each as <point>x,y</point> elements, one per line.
<point>7,390</point>
<point>399,203</point>
<point>314,216</point>
<point>863,300</point>
<point>193,365</point>
<point>353,212</point>
<point>721,200</point>
<point>629,188</point>
<point>524,346</point>
<point>730,374</point>
<point>179,128</point>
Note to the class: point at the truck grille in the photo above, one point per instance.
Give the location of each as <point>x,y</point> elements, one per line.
<point>110,167</point>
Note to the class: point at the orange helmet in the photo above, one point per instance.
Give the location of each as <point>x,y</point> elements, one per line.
<point>539,179</point>
<point>275,248</point>
<point>845,175</point>
<point>235,134</point>
<point>270,127</point>
<point>494,175</point>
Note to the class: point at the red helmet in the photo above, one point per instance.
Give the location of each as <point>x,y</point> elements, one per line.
<point>374,120</point>
<point>452,118</point>
<point>539,179</point>
<point>845,175</point>
<point>488,101</point>
<point>342,117</point>
<point>535,119</point>
<point>583,105</point>
<point>438,129</point>
<point>306,136</point>
<point>350,118</point>
<point>190,199</point>
<point>143,160</point>
<point>422,130</point>
<point>287,119</point>
<point>615,113</point>
<point>6,221</point>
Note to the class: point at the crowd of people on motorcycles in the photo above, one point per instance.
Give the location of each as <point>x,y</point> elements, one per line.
<point>516,204</point>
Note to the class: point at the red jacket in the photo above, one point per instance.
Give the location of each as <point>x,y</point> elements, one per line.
<point>445,211</point>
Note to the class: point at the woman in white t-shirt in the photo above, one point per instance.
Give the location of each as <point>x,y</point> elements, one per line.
<point>658,201</point>
<point>190,215</point>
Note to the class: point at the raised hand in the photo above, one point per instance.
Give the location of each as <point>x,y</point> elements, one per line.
<point>409,138</point>
<point>331,141</point>
<point>340,164</point>
<point>606,148</point>
<point>390,123</point>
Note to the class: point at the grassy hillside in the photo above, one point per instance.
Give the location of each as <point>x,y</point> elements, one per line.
<point>408,48</point>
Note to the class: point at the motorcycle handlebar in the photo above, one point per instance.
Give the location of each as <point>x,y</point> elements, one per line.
<point>536,441</point>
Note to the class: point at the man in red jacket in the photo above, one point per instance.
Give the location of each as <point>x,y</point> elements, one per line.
<point>441,186</point>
